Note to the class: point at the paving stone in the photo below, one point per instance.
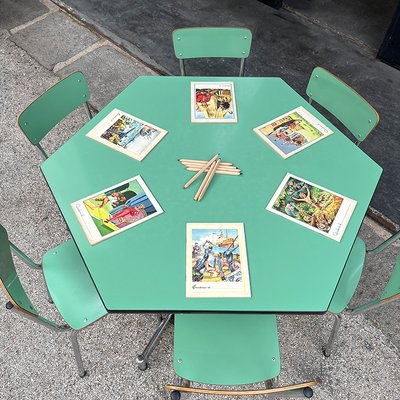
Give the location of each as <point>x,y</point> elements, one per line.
<point>107,71</point>
<point>14,13</point>
<point>54,39</point>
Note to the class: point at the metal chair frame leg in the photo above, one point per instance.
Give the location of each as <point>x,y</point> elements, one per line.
<point>143,358</point>
<point>56,328</point>
<point>88,112</point>
<point>242,64</point>
<point>77,353</point>
<point>182,67</point>
<point>327,350</point>
<point>270,383</point>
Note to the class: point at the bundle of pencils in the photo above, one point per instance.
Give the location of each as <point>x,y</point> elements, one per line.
<point>211,167</point>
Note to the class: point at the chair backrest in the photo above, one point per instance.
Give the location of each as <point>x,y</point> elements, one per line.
<point>9,281</point>
<point>53,106</point>
<point>211,43</point>
<point>356,114</point>
<point>349,279</point>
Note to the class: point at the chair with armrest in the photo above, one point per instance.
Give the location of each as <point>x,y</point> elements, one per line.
<point>349,281</point>
<point>212,43</point>
<point>229,349</point>
<point>68,283</point>
<point>51,107</point>
<point>355,113</point>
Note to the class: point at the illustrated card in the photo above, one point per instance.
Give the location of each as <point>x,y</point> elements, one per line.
<point>216,260</point>
<point>312,206</point>
<point>116,209</point>
<point>292,132</point>
<point>128,134</point>
<point>213,102</point>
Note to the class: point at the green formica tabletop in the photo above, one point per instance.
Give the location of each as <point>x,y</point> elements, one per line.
<point>292,269</point>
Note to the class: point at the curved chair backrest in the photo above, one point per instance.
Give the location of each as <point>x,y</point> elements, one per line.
<point>53,106</point>
<point>9,281</point>
<point>349,279</point>
<point>356,114</point>
<point>211,43</point>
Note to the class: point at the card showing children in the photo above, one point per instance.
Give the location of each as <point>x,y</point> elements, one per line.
<point>213,102</point>
<point>312,206</point>
<point>127,134</point>
<point>116,209</point>
<point>292,132</point>
<point>216,260</point>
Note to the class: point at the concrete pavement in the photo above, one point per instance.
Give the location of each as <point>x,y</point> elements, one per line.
<point>38,364</point>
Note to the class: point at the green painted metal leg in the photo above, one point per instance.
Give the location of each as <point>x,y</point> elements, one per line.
<point>328,349</point>
<point>50,300</point>
<point>42,152</point>
<point>23,256</point>
<point>77,353</point>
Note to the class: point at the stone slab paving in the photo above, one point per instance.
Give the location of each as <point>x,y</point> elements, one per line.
<point>108,72</point>
<point>54,39</point>
<point>14,13</point>
<point>38,364</point>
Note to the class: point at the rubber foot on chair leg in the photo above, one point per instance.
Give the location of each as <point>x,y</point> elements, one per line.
<point>308,392</point>
<point>175,395</point>
<point>325,352</point>
<point>85,373</point>
<point>141,363</point>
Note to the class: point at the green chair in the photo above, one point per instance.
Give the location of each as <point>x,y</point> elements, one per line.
<point>229,349</point>
<point>212,43</point>
<point>358,116</point>
<point>68,283</point>
<point>52,107</point>
<point>348,283</point>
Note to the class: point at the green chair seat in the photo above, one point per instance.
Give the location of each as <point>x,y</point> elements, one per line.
<point>350,277</point>
<point>226,349</point>
<point>71,287</point>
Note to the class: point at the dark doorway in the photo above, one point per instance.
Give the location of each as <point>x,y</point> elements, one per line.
<point>390,49</point>
<point>365,22</point>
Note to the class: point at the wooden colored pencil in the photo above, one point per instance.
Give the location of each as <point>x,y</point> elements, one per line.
<point>186,162</point>
<point>196,196</point>
<point>196,167</point>
<point>201,165</point>
<point>207,183</point>
<point>191,180</point>
<point>218,171</point>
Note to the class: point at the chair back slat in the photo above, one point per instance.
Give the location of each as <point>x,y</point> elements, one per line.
<point>393,286</point>
<point>53,106</point>
<point>212,42</point>
<point>9,281</point>
<point>356,114</point>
